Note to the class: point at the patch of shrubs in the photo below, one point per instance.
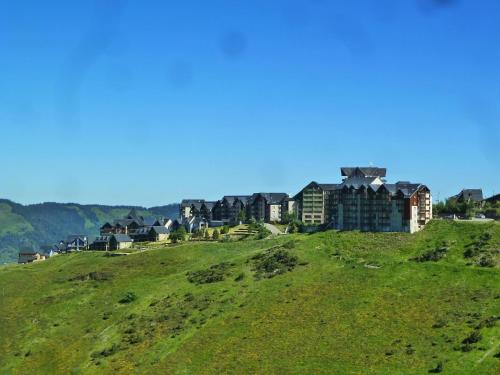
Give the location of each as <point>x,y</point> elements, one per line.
<point>432,255</point>
<point>95,276</point>
<point>489,322</point>
<point>486,260</point>
<point>215,273</point>
<point>475,248</point>
<point>259,228</point>
<point>106,352</point>
<point>485,237</point>
<point>473,338</point>
<point>438,369</point>
<point>273,262</point>
<point>133,339</point>
<point>263,232</point>
<point>128,298</point>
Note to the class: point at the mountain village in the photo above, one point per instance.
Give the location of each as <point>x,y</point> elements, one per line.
<point>362,200</point>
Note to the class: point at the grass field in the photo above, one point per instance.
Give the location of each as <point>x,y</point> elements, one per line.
<point>341,303</point>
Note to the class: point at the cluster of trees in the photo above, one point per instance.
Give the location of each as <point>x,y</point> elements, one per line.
<point>452,206</point>
<point>259,228</point>
<point>294,225</point>
<point>181,234</point>
<point>467,209</point>
<point>178,235</point>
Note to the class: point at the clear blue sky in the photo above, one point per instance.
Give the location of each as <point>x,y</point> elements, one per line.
<point>148,102</point>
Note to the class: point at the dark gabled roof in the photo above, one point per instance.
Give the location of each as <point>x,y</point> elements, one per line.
<point>127,222</point>
<point>363,171</point>
<point>407,188</point>
<point>160,230</point>
<point>271,198</point>
<point>197,205</point>
<point>102,239</point>
<point>74,237</point>
<point>141,231</point>
<point>160,222</point>
<point>133,215</point>
<point>325,187</point>
<point>208,205</point>
<point>76,242</point>
<point>122,238</point>
<point>357,182</point>
<point>329,187</point>
<point>493,198</point>
<point>189,202</point>
<point>149,221</point>
<point>475,195</point>
<point>30,252</point>
<point>232,198</point>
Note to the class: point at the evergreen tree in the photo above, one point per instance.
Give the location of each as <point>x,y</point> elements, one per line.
<point>215,235</point>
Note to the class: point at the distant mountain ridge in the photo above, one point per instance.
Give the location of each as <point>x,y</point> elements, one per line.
<point>33,226</point>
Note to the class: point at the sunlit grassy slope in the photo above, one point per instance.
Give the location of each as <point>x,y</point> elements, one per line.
<point>354,304</point>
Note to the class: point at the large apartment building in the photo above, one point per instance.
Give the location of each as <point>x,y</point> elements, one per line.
<point>231,209</point>
<point>364,201</point>
<point>313,203</point>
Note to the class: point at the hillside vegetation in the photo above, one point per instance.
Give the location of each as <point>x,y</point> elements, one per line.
<point>33,226</point>
<point>326,303</point>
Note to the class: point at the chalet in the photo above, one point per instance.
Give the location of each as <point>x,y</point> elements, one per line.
<point>112,242</point>
<point>151,234</point>
<point>470,195</point>
<point>76,243</point>
<point>132,223</point>
<point>141,235</point>
<point>159,233</point>
<point>122,226</point>
<point>30,256</point>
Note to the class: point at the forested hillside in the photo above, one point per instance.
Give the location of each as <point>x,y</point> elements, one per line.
<point>33,226</point>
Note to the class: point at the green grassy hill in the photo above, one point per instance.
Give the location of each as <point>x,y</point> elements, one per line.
<point>327,303</point>
<point>32,226</point>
